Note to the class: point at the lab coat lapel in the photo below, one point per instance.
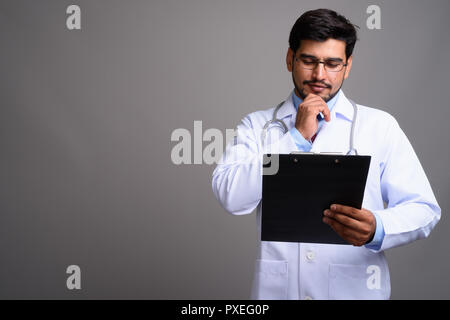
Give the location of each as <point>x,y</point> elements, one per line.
<point>287,109</point>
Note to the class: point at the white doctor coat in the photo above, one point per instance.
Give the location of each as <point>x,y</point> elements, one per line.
<point>397,189</point>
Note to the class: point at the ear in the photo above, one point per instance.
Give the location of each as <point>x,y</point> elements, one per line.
<point>289,56</point>
<point>349,66</point>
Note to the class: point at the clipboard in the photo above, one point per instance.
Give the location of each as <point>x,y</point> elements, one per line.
<point>304,185</point>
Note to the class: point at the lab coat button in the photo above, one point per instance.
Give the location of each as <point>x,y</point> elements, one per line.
<point>310,255</point>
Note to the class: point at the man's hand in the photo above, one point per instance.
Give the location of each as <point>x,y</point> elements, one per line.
<point>306,121</point>
<point>353,225</point>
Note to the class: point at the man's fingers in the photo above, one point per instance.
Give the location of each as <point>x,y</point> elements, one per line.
<point>357,224</point>
<point>345,233</point>
<point>349,235</point>
<point>349,211</point>
<point>313,99</point>
<point>316,105</point>
<point>360,228</point>
<point>326,113</point>
<point>344,219</point>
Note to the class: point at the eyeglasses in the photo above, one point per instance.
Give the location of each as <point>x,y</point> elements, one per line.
<point>330,65</point>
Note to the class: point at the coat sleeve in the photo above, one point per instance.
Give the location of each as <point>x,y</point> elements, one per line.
<point>412,210</point>
<point>237,179</point>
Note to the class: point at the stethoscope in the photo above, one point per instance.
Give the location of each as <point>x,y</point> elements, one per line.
<point>280,123</point>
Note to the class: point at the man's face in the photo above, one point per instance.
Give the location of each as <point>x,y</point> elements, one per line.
<point>318,81</point>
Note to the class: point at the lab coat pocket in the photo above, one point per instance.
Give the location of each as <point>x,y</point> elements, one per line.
<point>356,282</point>
<point>271,280</point>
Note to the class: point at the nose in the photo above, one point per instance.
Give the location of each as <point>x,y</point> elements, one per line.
<point>319,72</point>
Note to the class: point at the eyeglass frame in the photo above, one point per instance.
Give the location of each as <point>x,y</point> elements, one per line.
<point>318,61</point>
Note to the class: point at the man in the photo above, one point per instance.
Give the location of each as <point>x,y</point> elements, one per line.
<point>398,206</point>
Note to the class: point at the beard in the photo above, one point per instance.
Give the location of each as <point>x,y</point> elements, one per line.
<point>302,94</point>
<point>301,91</point>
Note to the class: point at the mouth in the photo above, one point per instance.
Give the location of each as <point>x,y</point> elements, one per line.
<point>317,88</point>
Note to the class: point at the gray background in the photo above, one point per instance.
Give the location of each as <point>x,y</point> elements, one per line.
<point>86,117</point>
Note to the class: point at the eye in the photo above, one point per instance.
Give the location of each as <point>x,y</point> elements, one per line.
<point>309,62</point>
<point>333,64</point>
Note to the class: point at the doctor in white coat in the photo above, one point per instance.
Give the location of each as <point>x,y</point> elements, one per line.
<point>398,206</point>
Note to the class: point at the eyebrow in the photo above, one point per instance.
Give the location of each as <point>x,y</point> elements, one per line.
<point>304,55</point>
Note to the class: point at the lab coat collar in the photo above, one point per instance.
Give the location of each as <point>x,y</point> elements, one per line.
<point>343,107</point>
<point>287,108</point>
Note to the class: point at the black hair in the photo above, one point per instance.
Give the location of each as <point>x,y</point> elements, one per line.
<point>321,25</point>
